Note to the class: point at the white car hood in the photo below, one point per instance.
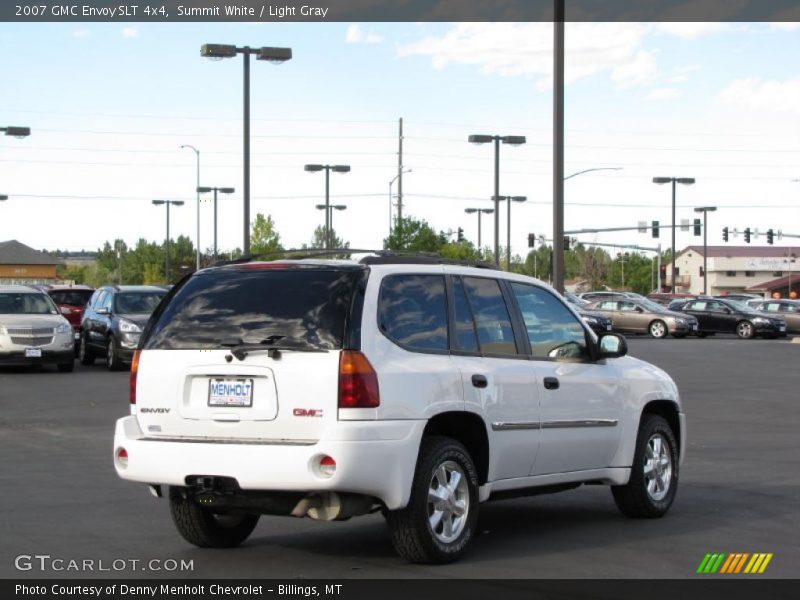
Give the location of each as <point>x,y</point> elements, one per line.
<point>32,321</point>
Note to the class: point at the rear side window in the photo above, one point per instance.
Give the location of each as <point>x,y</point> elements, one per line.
<point>412,311</point>
<point>492,321</point>
<point>227,307</point>
<point>466,339</point>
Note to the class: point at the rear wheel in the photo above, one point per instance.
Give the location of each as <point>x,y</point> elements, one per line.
<point>84,353</point>
<point>701,334</point>
<point>651,488</point>
<point>442,512</point>
<point>207,529</point>
<point>745,330</point>
<point>658,329</point>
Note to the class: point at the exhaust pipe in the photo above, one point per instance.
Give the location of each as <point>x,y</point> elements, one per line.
<point>333,506</point>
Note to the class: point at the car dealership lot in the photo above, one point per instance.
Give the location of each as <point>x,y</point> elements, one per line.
<point>738,490</point>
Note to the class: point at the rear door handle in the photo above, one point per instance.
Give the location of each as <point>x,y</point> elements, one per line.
<point>479,381</point>
<point>551,383</point>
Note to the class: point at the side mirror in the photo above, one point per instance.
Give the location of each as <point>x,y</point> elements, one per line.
<point>727,311</point>
<point>103,311</point>
<point>612,345</point>
<point>639,309</point>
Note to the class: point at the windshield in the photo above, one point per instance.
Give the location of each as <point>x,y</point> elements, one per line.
<point>651,306</point>
<point>26,304</point>
<point>71,297</point>
<point>236,306</point>
<point>573,299</point>
<point>740,306</point>
<point>128,303</point>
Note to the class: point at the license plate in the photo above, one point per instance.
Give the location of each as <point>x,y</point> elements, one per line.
<point>77,336</point>
<point>694,326</point>
<point>608,327</point>
<point>33,353</point>
<point>782,327</point>
<point>230,392</point>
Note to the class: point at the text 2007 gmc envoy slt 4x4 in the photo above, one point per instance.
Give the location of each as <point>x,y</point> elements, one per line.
<point>331,389</point>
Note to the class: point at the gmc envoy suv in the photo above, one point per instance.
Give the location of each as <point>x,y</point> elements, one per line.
<point>406,385</point>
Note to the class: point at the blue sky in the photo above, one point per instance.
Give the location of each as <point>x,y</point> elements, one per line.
<point>109,105</point>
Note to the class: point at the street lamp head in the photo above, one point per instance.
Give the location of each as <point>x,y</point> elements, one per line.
<point>176,202</point>
<point>487,211</point>
<point>514,140</point>
<point>685,180</point>
<point>341,168</point>
<point>204,190</point>
<point>519,198</point>
<point>217,51</point>
<point>3,197</point>
<point>470,211</point>
<point>339,206</point>
<point>661,180</point>
<point>18,132</point>
<point>321,207</point>
<point>274,55</point>
<point>226,190</point>
<point>159,202</point>
<point>313,168</point>
<point>705,209</point>
<point>480,139</point>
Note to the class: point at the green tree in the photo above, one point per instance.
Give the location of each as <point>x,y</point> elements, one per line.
<point>414,235</point>
<point>318,239</point>
<point>264,239</point>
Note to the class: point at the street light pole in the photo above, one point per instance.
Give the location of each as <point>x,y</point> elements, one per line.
<point>222,190</point>
<point>166,260</point>
<point>197,239</point>
<point>273,55</point>
<point>673,181</point>
<point>509,200</point>
<point>514,140</point>
<point>481,212</point>
<point>328,169</point>
<point>329,208</point>
<point>705,210</point>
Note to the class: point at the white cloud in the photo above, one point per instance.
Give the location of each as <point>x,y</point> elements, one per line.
<point>661,94</point>
<point>355,35</point>
<point>642,70</point>
<point>525,49</point>
<point>130,32</point>
<point>81,33</point>
<point>768,96</point>
<point>692,30</point>
<point>681,74</point>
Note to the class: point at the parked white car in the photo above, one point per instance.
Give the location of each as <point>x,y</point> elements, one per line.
<point>33,331</point>
<point>331,389</point>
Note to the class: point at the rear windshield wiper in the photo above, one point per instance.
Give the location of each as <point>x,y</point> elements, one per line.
<point>273,346</point>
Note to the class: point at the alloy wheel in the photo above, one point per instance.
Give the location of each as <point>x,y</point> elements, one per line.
<point>657,467</point>
<point>448,501</point>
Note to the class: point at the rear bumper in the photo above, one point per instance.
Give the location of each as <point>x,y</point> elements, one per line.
<point>17,358</point>
<point>375,458</point>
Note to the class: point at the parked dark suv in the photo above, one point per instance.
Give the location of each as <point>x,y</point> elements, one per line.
<point>727,316</point>
<point>113,322</point>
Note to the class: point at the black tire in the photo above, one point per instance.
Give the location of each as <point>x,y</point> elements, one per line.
<point>635,500</point>
<point>66,367</point>
<point>679,336</point>
<point>84,352</point>
<point>658,329</point>
<point>204,528</point>
<point>410,528</point>
<point>113,363</point>
<point>745,330</point>
<point>701,334</point>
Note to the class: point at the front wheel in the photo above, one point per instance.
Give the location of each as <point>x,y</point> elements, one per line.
<point>84,354</point>
<point>745,330</point>
<point>651,488</point>
<point>113,362</point>
<point>442,511</point>
<point>658,329</point>
<point>204,528</point>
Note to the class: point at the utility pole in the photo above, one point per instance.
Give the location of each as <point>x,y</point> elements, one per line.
<point>400,175</point>
<point>558,146</point>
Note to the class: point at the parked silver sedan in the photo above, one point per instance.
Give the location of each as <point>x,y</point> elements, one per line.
<point>645,316</point>
<point>788,310</point>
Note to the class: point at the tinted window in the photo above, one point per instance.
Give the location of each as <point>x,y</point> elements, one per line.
<point>13,303</point>
<point>698,305</point>
<point>137,302</point>
<point>492,321</point>
<point>466,338</point>
<point>553,330</point>
<point>246,305</point>
<point>412,311</point>
<point>71,297</point>
<point>790,308</point>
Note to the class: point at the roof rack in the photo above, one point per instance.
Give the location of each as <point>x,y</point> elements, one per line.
<point>296,254</point>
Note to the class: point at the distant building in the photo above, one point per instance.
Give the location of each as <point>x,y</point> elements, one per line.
<point>22,265</point>
<point>759,269</point>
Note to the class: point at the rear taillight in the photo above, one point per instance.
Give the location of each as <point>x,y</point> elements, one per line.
<point>132,383</point>
<point>358,382</point>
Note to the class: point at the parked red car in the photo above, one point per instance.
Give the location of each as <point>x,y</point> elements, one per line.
<point>71,300</point>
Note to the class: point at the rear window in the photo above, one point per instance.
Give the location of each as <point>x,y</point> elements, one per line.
<point>237,306</point>
<point>72,297</point>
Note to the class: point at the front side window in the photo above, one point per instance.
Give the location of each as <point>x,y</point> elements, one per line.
<point>130,303</point>
<point>412,311</point>
<point>789,308</point>
<point>492,320</point>
<point>553,330</point>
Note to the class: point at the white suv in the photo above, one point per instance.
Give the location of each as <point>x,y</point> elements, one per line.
<point>331,389</point>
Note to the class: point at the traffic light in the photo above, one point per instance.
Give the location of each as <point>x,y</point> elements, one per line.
<point>724,234</point>
<point>747,235</point>
<point>566,242</point>
<point>770,236</point>
<point>656,230</point>
<point>698,229</point>
<point>531,240</point>
<point>460,234</point>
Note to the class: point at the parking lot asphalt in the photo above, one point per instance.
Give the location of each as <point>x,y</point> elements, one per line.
<point>739,489</point>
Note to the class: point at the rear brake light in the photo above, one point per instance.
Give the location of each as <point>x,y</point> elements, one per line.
<point>327,466</point>
<point>358,382</point>
<point>263,265</point>
<point>134,371</point>
<point>122,458</point>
